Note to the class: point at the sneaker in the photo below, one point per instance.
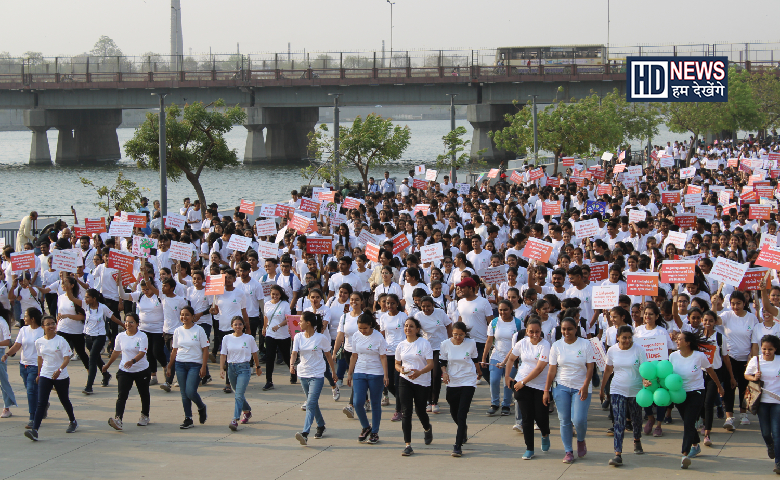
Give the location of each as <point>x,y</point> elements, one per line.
<point>318,433</point>
<point>707,441</point>
<point>205,380</point>
<point>373,439</point>
<point>87,391</point>
<point>364,433</point>
<point>340,383</point>
<point>617,461</point>
<point>397,417</point>
<point>6,413</point>
<point>770,451</point>
<point>72,427</point>
<point>188,423</point>
<point>349,411</point>
<point>336,393</point>
<point>638,447</point>
<point>116,423</point>
<point>245,417</point>
<point>546,443</point>
<point>429,408</point>
<point>667,420</point>
<point>233,425</point>
<point>303,407</point>
<point>293,379</point>
<point>729,424</point>
<point>492,410</point>
<point>435,408</point>
<point>518,428</point>
<point>776,469</point>
<point>407,451</point>
<point>165,387</point>
<point>456,451</point>
<point>30,425</point>
<point>536,427</point>
<point>568,458</point>
<point>428,435</point>
<point>611,431</point>
<point>657,432</point>
<point>227,389</point>
<point>368,405</point>
<point>720,412</point>
<point>143,421</point>
<point>529,454</point>
<point>582,448</point>
<point>106,379</point>
<point>505,411</point>
<point>153,380</point>
<point>202,416</point>
<point>605,405</point>
<point>648,427</point>
<point>268,386</point>
<point>385,400</point>
<point>686,462</point>
<point>701,432</point>
<point>302,438</point>
<point>695,450</point>
<point>32,435</point>
<point>745,420</point>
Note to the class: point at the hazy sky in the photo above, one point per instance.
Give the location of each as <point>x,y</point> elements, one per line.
<point>55,27</point>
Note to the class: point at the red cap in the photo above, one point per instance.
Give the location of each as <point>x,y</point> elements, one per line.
<point>467,282</point>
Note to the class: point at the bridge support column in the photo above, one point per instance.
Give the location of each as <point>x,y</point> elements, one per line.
<point>35,120</point>
<point>486,118</point>
<point>84,135</point>
<point>287,132</point>
<point>66,146</point>
<point>254,152</point>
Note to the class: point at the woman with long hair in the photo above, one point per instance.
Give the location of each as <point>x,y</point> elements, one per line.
<point>391,323</point>
<point>435,327</point>
<point>769,408</point>
<point>654,326</point>
<point>721,363</point>
<point>347,328</point>
<point>276,332</point>
<point>28,363</point>
<point>460,371</point>
<point>414,360</point>
<point>190,354</point>
<point>235,354</point>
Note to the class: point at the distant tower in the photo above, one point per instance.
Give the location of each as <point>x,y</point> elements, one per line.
<point>177,44</point>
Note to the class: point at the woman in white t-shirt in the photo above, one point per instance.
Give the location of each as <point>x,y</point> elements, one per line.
<point>623,360</point>
<point>316,305</point>
<point>499,333</point>
<point>132,345</point>
<point>190,354</point>
<point>368,368</point>
<point>391,324</point>
<point>436,327</point>
<point>28,363</point>
<point>314,350</point>
<point>571,367</point>
<point>690,364</point>
<point>533,351</point>
<point>722,365</point>
<point>764,368</point>
<point>347,328</point>
<point>151,320</point>
<point>53,357</point>
<point>654,326</point>
<point>237,349</point>
<point>414,361</point>
<point>276,332</point>
<point>768,327</point>
<point>9,400</point>
<point>460,371</point>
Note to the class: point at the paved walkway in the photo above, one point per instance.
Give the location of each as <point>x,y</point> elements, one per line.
<point>266,448</point>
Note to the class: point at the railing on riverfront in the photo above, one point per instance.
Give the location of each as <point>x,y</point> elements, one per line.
<point>342,65</point>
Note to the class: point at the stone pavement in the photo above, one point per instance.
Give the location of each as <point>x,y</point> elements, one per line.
<point>266,447</point>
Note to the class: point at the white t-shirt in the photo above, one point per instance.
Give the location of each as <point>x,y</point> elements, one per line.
<point>5,332</point>
<point>409,290</point>
<point>311,351</point>
<point>760,330</point>
<point>200,302</point>
<point>238,349</point>
<point>626,380</point>
<point>530,355</point>
<point>502,337</point>
<point>415,356</point>
<point>460,362</point>
<point>770,374</point>
<point>369,349</point>
<point>190,343</point>
<point>276,314</point>
<point>65,306</point>
<point>53,353</point>
<point>393,326</point>
<point>659,331</point>
<point>349,327</point>
<point>172,312</point>
<point>254,295</point>
<point>739,332</point>
<point>95,321</point>
<point>26,338</point>
<point>572,360</point>
<point>434,327</point>
<point>150,312</point>
<point>230,304</point>
<point>475,315</point>
<point>691,369</point>
<point>586,304</point>
<point>130,346</point>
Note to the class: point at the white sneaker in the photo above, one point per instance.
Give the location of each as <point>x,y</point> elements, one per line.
<point>385,400</point>
<point>536,427</point>
<point>435,408</point>
<point>143,421</point>
<point>175,384</point>
<point>349,412</point>
<point>153,381</point>
<point>116,423</point>
<point>336,394</point>
<point>303,407</point>
<point>745,420</point>
<point>518,428</point>
<point>729,424</point>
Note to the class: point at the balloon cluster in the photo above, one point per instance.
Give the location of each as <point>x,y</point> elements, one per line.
<point>666,387</point>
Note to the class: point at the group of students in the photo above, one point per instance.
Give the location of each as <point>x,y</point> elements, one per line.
<point>401,324</point>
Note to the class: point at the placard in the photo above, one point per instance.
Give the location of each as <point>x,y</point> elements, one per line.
<point>21,261</point>
<point>769,256</point>
<point>120,261</point>
<point>308,205</point>
<point>268,249</point>
<point>432,252</point>
<point>286,211</point>
<point>95,225</point>
<point>516,177</point>
<point>709,351</point>
<point>728,271</point>
<point>319,245</point>
<point>551,208</point>
<point>431,175</point>
<point>400,242</point>
<point>247,207</point>
<point>603,189</point>
<point>121,229</point>
<point>425,208</point>
<point>733,162</point>
<point>239,243</point>
<point>268,210</point>
<point>687,172</point>
<point>685,220</point>
<point>327,196</point>
<point>181,251</point>
<point>537,250</point>
<point>266,227</point>
<point>267,288</point>
<point>567,161</point>
<point>692,199</point>
<point>705,211</point>
<point>666,161</point>
<point>419,170</point>
<point>605,296</point>
<point>372,252</point>
<point>137,219</point>
<point>599,272</point>
<point>640,283</point>
<point>635,215</point>
<point>69,260</point>
<point>419,184</point>
<point>463,188</point>
<point>300,223</point>
<point>607,156</point>
<point>215,284</point>
<point>142,246</point>
<point>586,228</point>
<point>752,279</point>
<point>620,167</point>
<point>592,207</point>
<point>599,355</point>
<point>767,239</point>
<point>760,212</point>
<point>677,271</point>
<point>749,197</point>
<point>494,275</point>
<point>634,171</point>
<point>535,174</point>
<point>293,325</point>
<point>493,173</point>
<point>711,164</point>
<point>677,239</point>
<point>350,203</point>
<point>655,347</point>
<point>365,237</point>
<point>672,196</point>
<point>172,220</point>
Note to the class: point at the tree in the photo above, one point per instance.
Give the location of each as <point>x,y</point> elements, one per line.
<point>366,144</point>
<point>456,146</point>
<point>195,140</point>
<point>33,58</point>
<point>106,47</point>
<point>765,88</point>
<point>124,196</point>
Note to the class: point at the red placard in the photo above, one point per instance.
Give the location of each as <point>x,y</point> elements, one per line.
<point>425,208</point>
<point>79,230</point>
<point>765,191</point>
<point>604,188</point>
<point>670,197</point>
<point>709,351</point>
<point>642,284</point>
<point>567,161</point>
<point>579,181</point>
<point>598,271</point>
<point>327,196</point>
<point>749,197</point>
<point>537,250</point>
<point>419,184</point>
<point>733,162</point>
<point>535,174</point>
<point>551,208</point>
<point>300,223</point>
<point>769,257</point>
<point>350,203</point>
<point>760,212</point>
<point>677,271</point>
<point>493,173</point>
<point>685,220</point>
<point>22,261</point>
<point>286,211</point>
<point>774,157</point>
<point>516,177</point>
<point>120,261</point>
<point>308,205</point>
<point>247,207</point>
<point>400,242</point>
<point>618,168</point>
<point>372,252</point>
<point>95,225</point>
<point>138,220</point>
<point>317,245</point>
<point>215,284</point>
<point>752,279</point>
<point>693,189</point>
<point>599,174</point>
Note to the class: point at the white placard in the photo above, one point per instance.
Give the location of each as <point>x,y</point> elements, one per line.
<point>705,211</point>
<point>365,237</point>
<point>266,227</point>
<point>634,171</point>
<point>430,253</point>
<point>280,235</point>
<point>655,347</point>
<point>66,260</point>
<point>143,245</point>
<point>586,228</point>
<point>239,243</point>
<point>599,355</point>
<point>267,250</point>
<point>637,216</point>
<point>120,229</point>
<point>267,210</point>
<point>605,297</point>
<point>174,220</point>
<point>494,275</point>
<point>419,170</point>
<point>688,172</point>
<point>180,251</point>
<point>678,239</point>
<point>692,199</point>
<point>463,188</point>
<point>607,156</point>
<point>728,271</point>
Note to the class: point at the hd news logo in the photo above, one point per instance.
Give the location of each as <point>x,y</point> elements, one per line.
<point>677,79</point>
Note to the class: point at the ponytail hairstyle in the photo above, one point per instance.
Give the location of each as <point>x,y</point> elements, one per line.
<point>624,329</point>
<point>368,318</point>
<point>620,311</point>
<point>314,319</point>
<point>416,324</point>
<point>96,295</point>
<point>692,339</point>
<point>462,327</point>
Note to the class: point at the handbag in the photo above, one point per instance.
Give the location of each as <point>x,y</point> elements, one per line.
<point>753,392</point>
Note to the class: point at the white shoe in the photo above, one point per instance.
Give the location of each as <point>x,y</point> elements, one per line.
<point>303,407</point>
<point>729,424</point>
<point>175,384</point>
<point>481,382</point>
<point>745,420</point>
<point>435,408</point>
<point>153,381</point>
<point>116,423</point>
<point>143,421</point>
<point>385,400</point>
<point>336,393</point>
<point>536,427</point>
<point>518,428</point>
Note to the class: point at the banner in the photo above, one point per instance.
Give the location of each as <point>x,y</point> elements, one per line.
<point>430,253</point>
<point>239,243</point>
<point>728,271</point>
<point>586,228</point>
<point>181,251</point>
<point>215,284</point>
<point>655,347</point>
<point>642,284</point>
<point>247,207</point>
<point>537,250</point>
<point>68,260</point>
<point>319,245</point>
<point>599,272</point>
<point>266,227</point>
<point>677,271</point>
<point>605,296</point>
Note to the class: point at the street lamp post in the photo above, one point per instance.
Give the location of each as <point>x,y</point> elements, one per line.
<point>163,154</point>
<point>391,32</point>
<point>536,133</point>
<point>336,154</point>
<point>453,171</point>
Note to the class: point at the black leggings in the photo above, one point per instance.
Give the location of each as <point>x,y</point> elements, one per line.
<point>711,398</point>
<point>738,368</point>
<point>156,352</point>
<point>77,343</point>
<point>411,393</point>
<point>44,390</point>
<point>125,382</point>
<point>459,399</point>
<point>435,379</point>
<point>112,329</point>
<point>392,381</point>
<point>689,411</point>
<point>168,342</point>
<point>272,345</point>
<point>533,410</point>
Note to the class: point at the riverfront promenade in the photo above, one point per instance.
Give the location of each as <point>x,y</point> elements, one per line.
<point>266,448</point>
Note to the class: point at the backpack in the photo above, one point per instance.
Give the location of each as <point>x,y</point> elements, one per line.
<point>518,325</point>
<point>583,327</point>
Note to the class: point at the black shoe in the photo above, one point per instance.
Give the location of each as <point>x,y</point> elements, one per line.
<point>611,431</point>
<point>293,379</point>
<point>667,420</point>
<point>629,426</point>
<point>268,386</point>
<point>319,432</point>
<point>505,411</point>
<point>205,380</point>
<point>31,434</point>
<point>202,417</point>
<point>373,439</point>
<point>364,434</point>
<point>605,405</point>
<point>407,451</point>
<point>227,389</point>
<point>616,461</point>
<point>429,436</point>
<point>106,379</point>
<point>770,450</point>
<point>638,448</point>
<point>303,438</point>
<point>188,423</point>
<point>456,451</point>
<point>492,410</point>
<point>72,427</point>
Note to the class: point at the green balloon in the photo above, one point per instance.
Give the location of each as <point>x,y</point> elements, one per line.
<point>662,398</point>
<point>664,368</point>
<point>644,398</point>
<point>654,385</point>
<point>678,396</point>
<point>648,370</point>
<point>674,382</point>
<point>662,382</point>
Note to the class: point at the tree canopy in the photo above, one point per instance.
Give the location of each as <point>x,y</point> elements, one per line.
<point>106,47</point>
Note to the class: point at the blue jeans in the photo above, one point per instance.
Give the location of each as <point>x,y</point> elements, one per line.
<point>9,400</point>
<point>374,385</point>
<point>769,421</point>
<point>187,373</point>
<point>571,409</point>
<point>28,373</point>
<point>496,380</point>
<point>312,387</point>
<point>238,375</point>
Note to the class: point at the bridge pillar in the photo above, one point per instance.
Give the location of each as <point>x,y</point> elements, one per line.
<point>35,120</point>
<point>84,135</point>
<point>287,132</point>
<point>255,122</point>
<point>66,146</point>
<point>486,118</point>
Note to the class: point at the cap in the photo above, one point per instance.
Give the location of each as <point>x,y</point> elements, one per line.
<point>213,205</point>
<point>467,282</point>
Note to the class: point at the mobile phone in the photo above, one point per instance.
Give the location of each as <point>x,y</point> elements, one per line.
<point>153,251</point>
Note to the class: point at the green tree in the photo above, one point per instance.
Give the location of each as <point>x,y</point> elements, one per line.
<point>366,144</point>
<point>455,146</point>
<point>106,47</point>
<point>765,87</point>
<point>124,195</point>
<point>195,139</point>
<point>33,58</point>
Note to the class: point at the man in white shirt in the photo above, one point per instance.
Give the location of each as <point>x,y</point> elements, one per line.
<point>583,292</point>
<point>404,188</point>
<point>87,253</point>
<point>478,257</point>
<point>254,297</point>
<point>388,184</point>
<point>183,211</point>
<point>476,312</point>
<point>345,275</point>
<point>195,216</point>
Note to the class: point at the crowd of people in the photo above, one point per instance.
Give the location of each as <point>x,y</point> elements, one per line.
<point>424,288</point>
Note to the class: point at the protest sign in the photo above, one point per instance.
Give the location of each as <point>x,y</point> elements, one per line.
<point>733,162</point>
<point>239,243</point>
<point>692,199</point>
<point>267,288</point>
<point>95,225</point>
<point>634,171</point>
<point>749,197</point>
<point>350,203</point>
<point>655,347</point>
<point>567,161</point>
<point>493,173</point>
<point>752,279</point>
<point>607,156</point>
<point>120,229</point>
<point>667,161</point>
<point>463,188</point>
<point>592,207</point>
<point>172,220</point>
<point>327,196</point>
<point>635,215</point>
<point>266,227</point>
<point>422,207</point>
<point>286,211</point>
<point>308,205</point>
<point>728,271</point>
<point>400,242</point>
<point>181,251</point>
<point>516,177</point>
<point>535,174</point>
<point>688,172</point>
<point>300,223</point>
<point>137,219</point>
<point>672,196</point>
<point>603,189</point>
<point>537,250</point>
<point>586,228</point>
<point>599,355</point>
<point>639,283</point>
<point>419,170</point>
<point>767,239</point>
<point>319,245</point>
<point>268,210</point>
<point>268,249</point>
<point>599,271</point>
<point>605,296</point>
<point>419,184</point>
<point>121,261</point>
<point>760,212</point>
<point>22,261</point>
<point>723,197</point>
<point>677,271</point>
<point>215,284</point>
<point>293,325</point>
<point>705,211</point>
<point>430,253</point>
<point>142,246</point>
<point>494,275</point>
<point>69,260</point>
<point>247,207</point>
<point>551,208</point>
<point>431,175</point>
<point>372,252</point>
<point>685,220</point>
<point>365,237</point>
<point>769,256</point>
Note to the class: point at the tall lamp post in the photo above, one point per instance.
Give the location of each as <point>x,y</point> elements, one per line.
<point>453,171</point>
<point>536,133</point>
<point>391,32</point>
<point>336,154</point>
<point>163,154</point>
